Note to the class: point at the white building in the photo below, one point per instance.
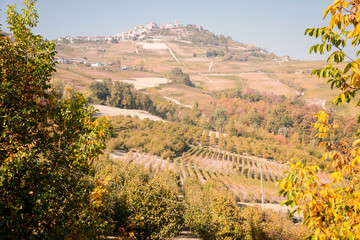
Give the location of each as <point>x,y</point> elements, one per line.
<point>98,64</point>
<point>285,58</point>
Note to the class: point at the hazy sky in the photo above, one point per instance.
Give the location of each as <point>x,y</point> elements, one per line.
<point>277,25</point>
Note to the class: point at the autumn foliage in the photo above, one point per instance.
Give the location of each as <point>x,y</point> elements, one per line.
<point>331,209</point>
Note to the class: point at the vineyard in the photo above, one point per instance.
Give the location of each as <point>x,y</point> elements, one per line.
<point>240,172</point>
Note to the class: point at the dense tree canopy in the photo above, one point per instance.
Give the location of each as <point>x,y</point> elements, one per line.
<point>119,94</point>
<point>43,142</point>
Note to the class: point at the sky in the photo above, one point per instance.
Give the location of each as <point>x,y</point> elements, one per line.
<point>277,26</point>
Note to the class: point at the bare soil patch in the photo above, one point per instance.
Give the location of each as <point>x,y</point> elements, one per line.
<point>146,82</point>
<point>113,111</point>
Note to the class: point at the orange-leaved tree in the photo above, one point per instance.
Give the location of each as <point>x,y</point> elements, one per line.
<point>332,209</point>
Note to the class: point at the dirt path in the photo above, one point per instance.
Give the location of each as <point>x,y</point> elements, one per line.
<point>173,55</point>
<point>211,64</point>
<point>177,102</point>
<point>186,235</point>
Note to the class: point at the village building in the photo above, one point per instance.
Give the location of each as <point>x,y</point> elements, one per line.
<point>285,58</point>
<point>152,26</point>
<point>98,64</point>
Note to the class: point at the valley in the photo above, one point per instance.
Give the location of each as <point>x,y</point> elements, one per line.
<point>227,114</point>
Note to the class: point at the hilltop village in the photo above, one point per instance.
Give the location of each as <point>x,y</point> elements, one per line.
<point>150,31</point>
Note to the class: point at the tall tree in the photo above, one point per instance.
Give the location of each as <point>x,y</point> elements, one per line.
<point>46,144</point>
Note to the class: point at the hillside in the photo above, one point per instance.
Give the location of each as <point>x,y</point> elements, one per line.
<point>231,114</point>
<point>143,56</point>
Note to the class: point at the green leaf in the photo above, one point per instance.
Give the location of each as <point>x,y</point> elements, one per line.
<point>348,67</point>
<point>284,202</point>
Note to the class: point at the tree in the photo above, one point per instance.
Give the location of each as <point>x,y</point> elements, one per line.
<point>219,117</point>
<point>253,117</point>
<point>178,76</point>
<point>279,118</point>
<point>212,139</point>
<point>229,144</point>
<point>332,209</point>
<point>204,138</point>
<point>221,141</point>
<point>139,64</point>
<point>46,144</point>
<point>99,91</point>
<point>215,220</point>
<point>209,53</point>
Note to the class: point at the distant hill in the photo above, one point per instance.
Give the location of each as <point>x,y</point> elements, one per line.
<point>215,45</point>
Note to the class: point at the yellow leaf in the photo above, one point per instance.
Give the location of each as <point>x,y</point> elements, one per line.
<point>326,11</point>
<point>356,142</point>
<point>354,32</point>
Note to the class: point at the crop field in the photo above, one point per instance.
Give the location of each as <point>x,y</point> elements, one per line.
<point>184,94</point>
<point>240,172</point>
<point>267,83</point>
<point>219,82</point>
<point>232,66</point>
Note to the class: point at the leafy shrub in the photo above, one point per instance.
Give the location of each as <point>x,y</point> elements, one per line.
<point>211,212</point>
<point>140,204</point>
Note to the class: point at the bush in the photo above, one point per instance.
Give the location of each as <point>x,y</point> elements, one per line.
<point>141,204</point>
<point>212,213</point>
